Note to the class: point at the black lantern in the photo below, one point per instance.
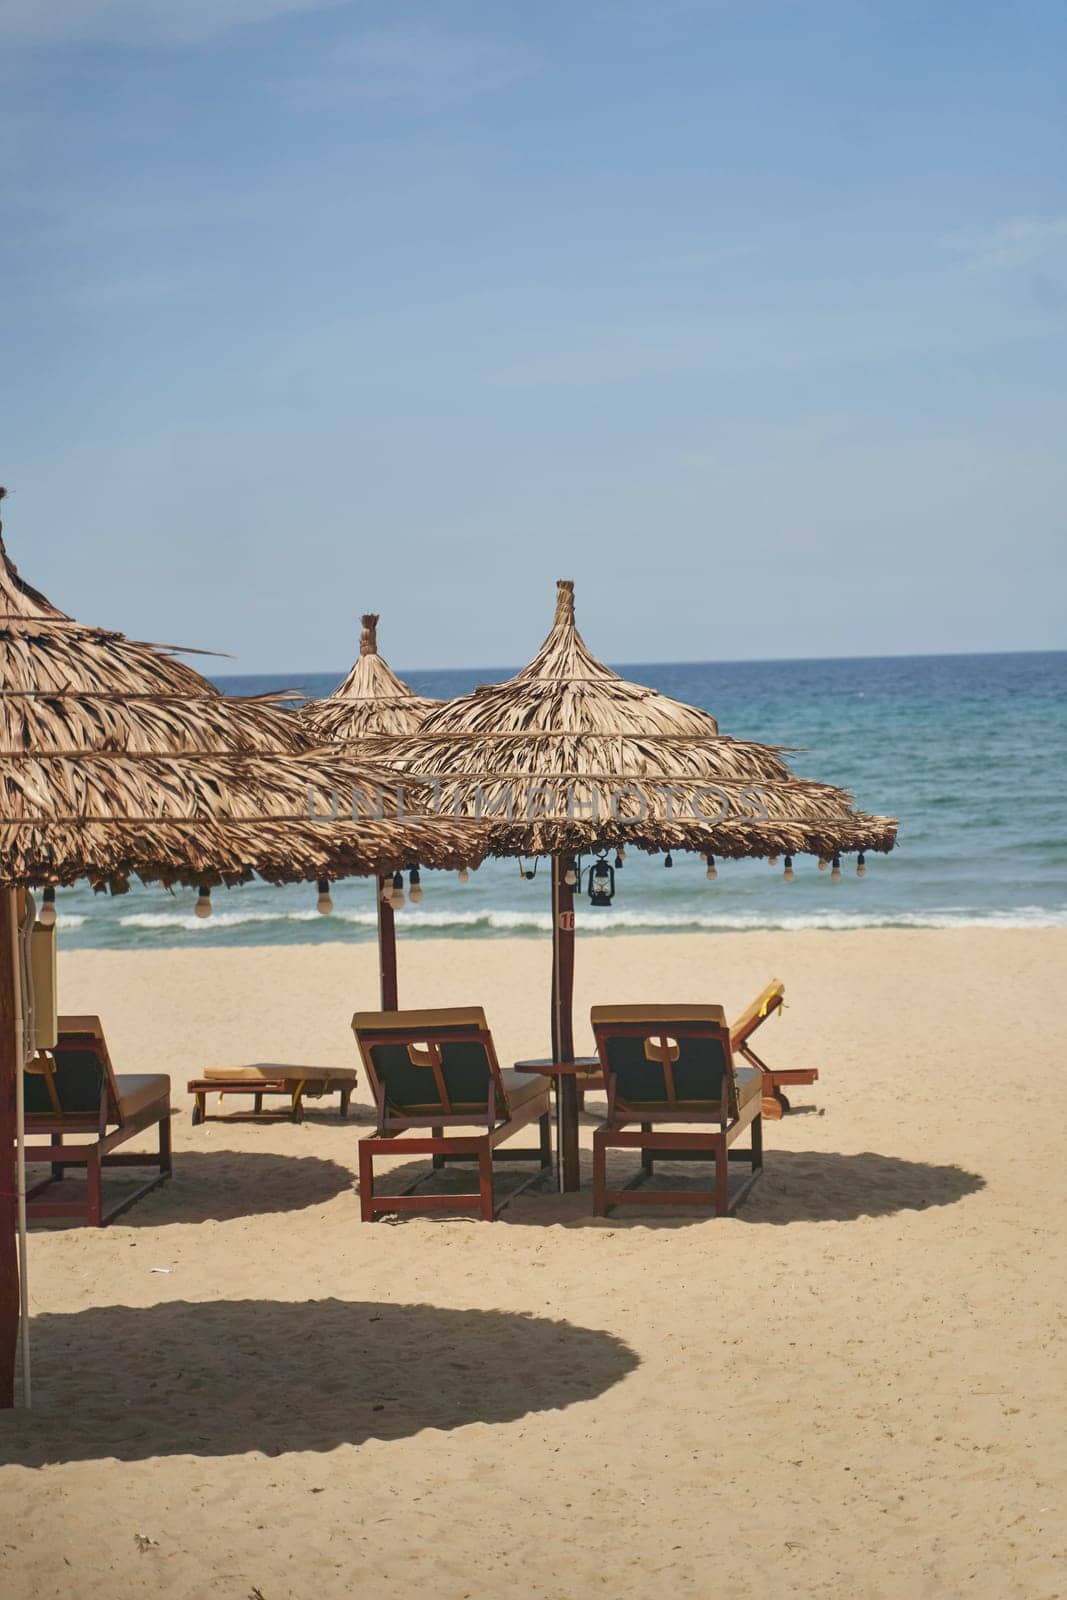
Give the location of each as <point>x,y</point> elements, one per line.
<point>601,882</point>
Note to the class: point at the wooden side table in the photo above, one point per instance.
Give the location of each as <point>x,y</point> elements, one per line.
<point>565,1075</point>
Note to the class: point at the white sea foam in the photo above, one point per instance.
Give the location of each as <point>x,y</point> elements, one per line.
<point>614,921</point>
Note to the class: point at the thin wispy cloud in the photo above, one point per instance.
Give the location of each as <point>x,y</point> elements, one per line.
<point>165,23</point>
<point>1018,242</point>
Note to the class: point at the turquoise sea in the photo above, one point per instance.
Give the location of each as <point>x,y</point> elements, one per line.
<point>970,752</point>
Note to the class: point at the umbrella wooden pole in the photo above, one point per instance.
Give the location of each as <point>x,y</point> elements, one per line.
<point>563,1028</point>
<point>386,949</point>
<point>10,1051</point>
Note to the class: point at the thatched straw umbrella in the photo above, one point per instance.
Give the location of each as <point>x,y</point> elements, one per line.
<point>371,702</point>
<point>568,757</point>
<point>118,760</point>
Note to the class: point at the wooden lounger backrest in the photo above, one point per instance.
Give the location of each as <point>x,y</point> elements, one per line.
<point>666,1055</point>
<point>441,1060</point>
<point>75,1078</point>
<point>766,1003</point>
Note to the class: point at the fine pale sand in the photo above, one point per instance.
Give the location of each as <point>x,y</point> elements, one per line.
<point>853,1388</point>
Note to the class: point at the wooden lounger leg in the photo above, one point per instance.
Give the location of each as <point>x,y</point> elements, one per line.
<point>599,1176</point>
<point>545,1125</point>
<point>58,1168</point>
<point>757,1144</point>
<point>438,1161</point>
<point>366,1182</point>
<point>166,1165</point>
<point>485,1183</point>
<point>346,1097</point>
<point>722,1178</point>
<point>646,1154</point>
<point>94,1198</point>
<point>199,1110</point>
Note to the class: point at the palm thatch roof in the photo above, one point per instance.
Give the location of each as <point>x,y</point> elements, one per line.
<point>567,755</point>
<point>372,699</point>
<point>116,759</point>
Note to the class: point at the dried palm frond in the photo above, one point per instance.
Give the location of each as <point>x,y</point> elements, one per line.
<point>116,759</point>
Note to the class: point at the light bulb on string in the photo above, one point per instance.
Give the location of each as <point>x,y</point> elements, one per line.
<point>712,871</point>
<point>861,865</point>
<point>835,870</point>
<point>570,875</point>
<point>397,899</point>
<point>203,902</point>
<point>620,860</point>
<point>668,860</point>
<point>772,861</point>
<point>47,914</point>
<point>463,876</point>
<point>823,863</point>
<point>788,874</point>
<point>415,889</point>
<point>324,904</point>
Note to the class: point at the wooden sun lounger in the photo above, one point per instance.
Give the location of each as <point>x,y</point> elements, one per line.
<point>666,1065</point>
<point>72,1091</point>
<point>295,1083</point>
<point>771,1000</point>
<point>432,1072</point>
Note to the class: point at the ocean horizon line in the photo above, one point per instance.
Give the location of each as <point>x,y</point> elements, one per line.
<point>495,674</point>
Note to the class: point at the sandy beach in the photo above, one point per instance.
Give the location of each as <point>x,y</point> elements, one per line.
<point>853,1388</point>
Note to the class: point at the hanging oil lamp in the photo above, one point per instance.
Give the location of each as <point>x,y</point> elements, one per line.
<point>601,882</point>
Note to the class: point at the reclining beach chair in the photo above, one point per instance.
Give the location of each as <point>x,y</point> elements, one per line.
<point>295,1084</point>
<point>437,1070</point>
<point>72,1091</point>
<point>666,1065</point>
<point>765,1005</point>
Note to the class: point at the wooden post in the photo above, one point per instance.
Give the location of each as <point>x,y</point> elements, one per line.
<point>9,1066</point>
<point>386,949</point>
<point>563,1025</point>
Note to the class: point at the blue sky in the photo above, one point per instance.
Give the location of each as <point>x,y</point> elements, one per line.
<point>747,316</point>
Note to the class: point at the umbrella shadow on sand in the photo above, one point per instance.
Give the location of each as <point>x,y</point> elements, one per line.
<point>219,1186</point>
<point>796,1186</point>
<point>226,1377</point>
